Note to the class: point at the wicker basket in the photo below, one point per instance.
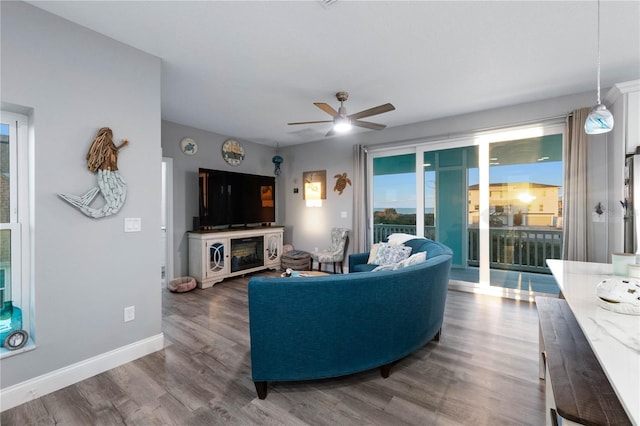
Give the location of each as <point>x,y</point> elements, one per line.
<point>297,260</point>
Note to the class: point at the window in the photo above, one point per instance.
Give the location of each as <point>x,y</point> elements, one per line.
<point>14,216</point>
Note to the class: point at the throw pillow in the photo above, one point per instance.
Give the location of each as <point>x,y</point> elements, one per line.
<point>388,267</point>
<point>388,253</point>
<point>372,253</point>
<point>399,238</point>
<point>414,259</point>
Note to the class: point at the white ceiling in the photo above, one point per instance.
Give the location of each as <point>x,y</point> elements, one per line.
<point>245,69</point>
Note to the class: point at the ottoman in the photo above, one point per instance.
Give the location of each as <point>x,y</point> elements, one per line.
<point>297,260</point>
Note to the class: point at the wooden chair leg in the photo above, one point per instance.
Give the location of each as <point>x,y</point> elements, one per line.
<point>261,389</point>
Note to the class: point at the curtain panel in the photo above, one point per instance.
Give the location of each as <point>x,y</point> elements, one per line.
<point>360,237</point>
<point>575,211</point>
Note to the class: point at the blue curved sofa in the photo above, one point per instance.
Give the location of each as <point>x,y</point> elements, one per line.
<point>328,326</point>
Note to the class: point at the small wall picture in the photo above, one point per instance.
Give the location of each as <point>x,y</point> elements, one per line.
<point>315,185</point>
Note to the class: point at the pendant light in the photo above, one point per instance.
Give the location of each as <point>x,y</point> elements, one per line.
<point>277,160</point>
<point>599,119</point>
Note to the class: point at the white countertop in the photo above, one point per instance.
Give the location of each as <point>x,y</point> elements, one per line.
<point>614,337</point>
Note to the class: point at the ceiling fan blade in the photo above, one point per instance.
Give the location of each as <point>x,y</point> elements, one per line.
<point>372,111</point>
<point>326,108</point>
<point>311,122</point>
<point>368,125</point>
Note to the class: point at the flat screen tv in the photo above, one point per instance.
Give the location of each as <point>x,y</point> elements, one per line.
<point>229,198</point>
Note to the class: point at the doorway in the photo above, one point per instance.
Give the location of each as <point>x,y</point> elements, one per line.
<point>166,222</point>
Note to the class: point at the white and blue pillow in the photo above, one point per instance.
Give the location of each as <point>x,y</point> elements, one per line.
<point>414,259</point>
<point>390,254</point>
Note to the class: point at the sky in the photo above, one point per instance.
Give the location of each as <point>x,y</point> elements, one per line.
<point>399,190</point>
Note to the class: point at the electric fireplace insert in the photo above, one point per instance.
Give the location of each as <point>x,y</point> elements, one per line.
<point>247,253</point>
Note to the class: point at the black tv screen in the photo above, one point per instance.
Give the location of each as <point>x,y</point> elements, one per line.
<point>229,198</point>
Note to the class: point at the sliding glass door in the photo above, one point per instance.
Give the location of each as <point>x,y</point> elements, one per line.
<point>495,199</point>
<point>525,207</point>
<point>394,195</point>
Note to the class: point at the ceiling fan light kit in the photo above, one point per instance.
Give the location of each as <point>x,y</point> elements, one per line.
<point>342,122</point>
<point>600,119</point>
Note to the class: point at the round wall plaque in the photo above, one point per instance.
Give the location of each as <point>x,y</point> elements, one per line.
<point>188,146</point>
<point>232,152</point>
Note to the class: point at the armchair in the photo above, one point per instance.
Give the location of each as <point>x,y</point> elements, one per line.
<point>336,252</point>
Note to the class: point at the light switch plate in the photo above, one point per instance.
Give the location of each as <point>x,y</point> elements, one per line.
<point>129,313</point>
<point>132,224</point>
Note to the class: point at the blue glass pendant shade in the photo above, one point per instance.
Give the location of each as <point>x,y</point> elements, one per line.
<point>598,121</point>
<point>277,160</point>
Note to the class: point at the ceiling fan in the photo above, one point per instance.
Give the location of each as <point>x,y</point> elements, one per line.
<point>343,122</point>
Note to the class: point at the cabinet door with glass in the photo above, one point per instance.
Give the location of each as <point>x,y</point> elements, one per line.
<point>216,255</point>
<point>273,250</point>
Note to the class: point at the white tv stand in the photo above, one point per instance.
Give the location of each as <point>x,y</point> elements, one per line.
<point>218,254</point>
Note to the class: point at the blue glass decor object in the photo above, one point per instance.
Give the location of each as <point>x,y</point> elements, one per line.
<point>12,336</point>
<point>277,160</point>
<point>598,121</point>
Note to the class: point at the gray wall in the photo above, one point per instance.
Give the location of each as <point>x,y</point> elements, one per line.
<point>307,228</point>
<point>257,161</point>
<point>85,271</point>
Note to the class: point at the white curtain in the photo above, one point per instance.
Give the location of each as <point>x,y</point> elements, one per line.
<point>360,233</point>
<point>575,211</point>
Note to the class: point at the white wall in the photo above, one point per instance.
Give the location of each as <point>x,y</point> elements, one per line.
<point>257,161</point>
<point>85,271</point>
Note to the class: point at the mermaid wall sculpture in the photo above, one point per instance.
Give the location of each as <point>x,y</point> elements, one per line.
<point>102,158</point>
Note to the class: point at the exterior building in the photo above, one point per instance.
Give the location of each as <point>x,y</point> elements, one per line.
<point>519,204</point>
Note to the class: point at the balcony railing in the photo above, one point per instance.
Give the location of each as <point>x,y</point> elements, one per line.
<point>381,231</point>
<point>513,248</point>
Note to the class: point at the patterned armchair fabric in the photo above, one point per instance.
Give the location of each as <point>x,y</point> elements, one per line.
<point>336,252</point>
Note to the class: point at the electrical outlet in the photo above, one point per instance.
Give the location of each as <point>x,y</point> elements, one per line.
<point>129,313</point>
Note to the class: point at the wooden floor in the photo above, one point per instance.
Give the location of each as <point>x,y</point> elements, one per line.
<point>483,371</point>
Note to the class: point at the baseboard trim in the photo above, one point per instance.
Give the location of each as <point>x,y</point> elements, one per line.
<point>50,382</point>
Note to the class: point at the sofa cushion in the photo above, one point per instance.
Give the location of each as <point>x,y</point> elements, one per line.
<point>417,245</point>
<point>388,254</point>
<point>372,253</point>
<point>363,267</point>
